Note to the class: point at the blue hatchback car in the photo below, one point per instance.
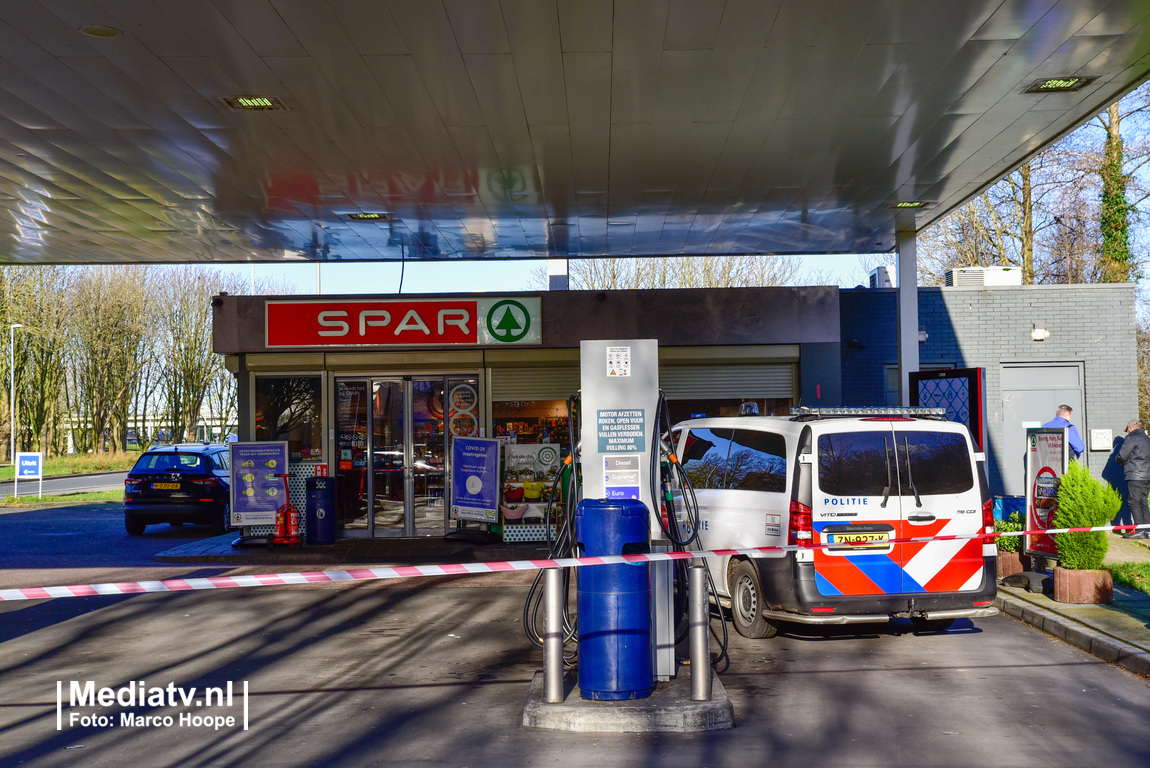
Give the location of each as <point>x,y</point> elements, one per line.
<point>183,483</point>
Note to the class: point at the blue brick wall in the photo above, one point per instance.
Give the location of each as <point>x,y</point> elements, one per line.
<point>989,328</point>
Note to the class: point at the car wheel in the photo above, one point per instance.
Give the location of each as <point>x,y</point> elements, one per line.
<point>931,625</point>
<point>220,525</point>
<point>134,527</point>
<point>747,604</point>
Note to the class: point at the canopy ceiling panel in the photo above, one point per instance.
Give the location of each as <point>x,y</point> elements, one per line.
<point>526,128</point>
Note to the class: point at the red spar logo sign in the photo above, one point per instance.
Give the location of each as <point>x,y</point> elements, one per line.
<point>371,323</point>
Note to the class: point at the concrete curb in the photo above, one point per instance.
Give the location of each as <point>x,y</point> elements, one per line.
<point>54,505</point>
<point>1076,633</point>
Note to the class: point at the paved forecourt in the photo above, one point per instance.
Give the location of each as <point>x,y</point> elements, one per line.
<point>437,672</point>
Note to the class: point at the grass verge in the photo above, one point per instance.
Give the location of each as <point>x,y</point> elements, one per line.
<point>57,498</point>
<point>1132,575</point>
<point>82,463</point>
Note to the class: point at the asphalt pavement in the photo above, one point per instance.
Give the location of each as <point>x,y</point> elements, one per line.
<point>436,672</point>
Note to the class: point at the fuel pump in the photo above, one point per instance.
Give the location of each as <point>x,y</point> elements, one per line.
<point>620,432</point>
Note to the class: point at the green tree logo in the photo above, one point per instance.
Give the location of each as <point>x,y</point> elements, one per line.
<point>508,321</point>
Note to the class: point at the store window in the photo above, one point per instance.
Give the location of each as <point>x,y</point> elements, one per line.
<point>290,408</point>
<point>531,421</point>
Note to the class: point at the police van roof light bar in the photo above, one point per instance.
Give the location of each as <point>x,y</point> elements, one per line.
<point>803,412</point>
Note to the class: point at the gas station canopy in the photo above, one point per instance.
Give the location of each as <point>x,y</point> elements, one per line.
<point>270,130</point>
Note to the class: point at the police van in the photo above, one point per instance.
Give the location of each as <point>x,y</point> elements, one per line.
<point>856,480</point>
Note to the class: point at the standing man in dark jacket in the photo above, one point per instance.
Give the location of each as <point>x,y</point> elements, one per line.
<point>1134,456</point>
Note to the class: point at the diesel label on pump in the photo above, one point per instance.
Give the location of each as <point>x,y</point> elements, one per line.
<point>621,477</point>
<point>621,430</point>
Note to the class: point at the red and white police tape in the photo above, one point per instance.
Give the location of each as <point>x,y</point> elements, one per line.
<point>458,569</point>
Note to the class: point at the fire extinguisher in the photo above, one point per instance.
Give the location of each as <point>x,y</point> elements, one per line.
<point>286,531</point>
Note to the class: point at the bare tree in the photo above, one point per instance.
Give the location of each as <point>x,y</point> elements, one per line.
<point>36,294</point>
<point>648,272</point>
<point>105,330</point>
<point>189,364</point>
<point>1064,216</point>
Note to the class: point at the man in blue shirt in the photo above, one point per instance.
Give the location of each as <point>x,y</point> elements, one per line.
<point>1062,419</point>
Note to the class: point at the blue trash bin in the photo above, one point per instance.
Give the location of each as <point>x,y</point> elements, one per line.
<point>320,512</point>
<point>616,654</point>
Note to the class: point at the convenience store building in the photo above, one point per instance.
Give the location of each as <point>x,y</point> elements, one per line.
<point>373,389</point>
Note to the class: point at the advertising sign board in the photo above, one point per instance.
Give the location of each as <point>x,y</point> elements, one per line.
<point>1046,462</point>
<point>475,479</point>
<point>257,488</point>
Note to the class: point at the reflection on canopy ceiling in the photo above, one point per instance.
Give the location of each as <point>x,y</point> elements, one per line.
<point>526,128</point>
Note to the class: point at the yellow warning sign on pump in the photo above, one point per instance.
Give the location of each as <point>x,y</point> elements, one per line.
<point>618,361</point>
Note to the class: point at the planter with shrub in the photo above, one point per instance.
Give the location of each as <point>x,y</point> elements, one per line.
<point>1010,559</point>
<point>1083,502</point>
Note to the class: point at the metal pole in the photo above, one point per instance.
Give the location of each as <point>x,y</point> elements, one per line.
<point>700,626</point>
<point>12,390</point>
<point>12,385</point>
<point>553,635</point>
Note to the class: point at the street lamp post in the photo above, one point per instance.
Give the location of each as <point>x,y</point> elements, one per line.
<point>12,381</point>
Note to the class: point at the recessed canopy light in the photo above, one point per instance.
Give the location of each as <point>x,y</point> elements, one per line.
<point>254,103</point>
<point>99,30</point>
<point>909,204</point>
<point>1059,84</point>
<point>374,216</point>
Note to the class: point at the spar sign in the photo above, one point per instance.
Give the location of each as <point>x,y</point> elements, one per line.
<point>402,322</point>
<point>1046,462</point>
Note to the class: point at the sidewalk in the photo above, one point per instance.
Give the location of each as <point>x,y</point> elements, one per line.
<point>1118,633</point>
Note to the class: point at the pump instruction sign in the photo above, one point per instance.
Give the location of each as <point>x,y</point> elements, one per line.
<point>618,361</point>
<point>257,488</point>
<point>621,431</point>
<point>475,479</point>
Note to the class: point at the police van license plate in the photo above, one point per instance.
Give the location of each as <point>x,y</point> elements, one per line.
<point>859,540</point>
<point>166,486</point>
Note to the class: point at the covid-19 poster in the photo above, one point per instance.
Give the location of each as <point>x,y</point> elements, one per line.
<point>1046,459</point>
<point>475,479</point>
<point>257,485</point>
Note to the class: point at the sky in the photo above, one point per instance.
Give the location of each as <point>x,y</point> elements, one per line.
<point>490,276</point>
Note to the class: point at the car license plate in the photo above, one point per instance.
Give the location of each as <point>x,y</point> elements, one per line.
<point>860,540</point>
<point>166,486</point>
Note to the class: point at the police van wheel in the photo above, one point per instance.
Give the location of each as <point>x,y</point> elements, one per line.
<point>931,625</point>
<point>747,604</point>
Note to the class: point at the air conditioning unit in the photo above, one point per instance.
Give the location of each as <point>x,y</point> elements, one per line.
<point>981,277</point>
<point>882,277</point>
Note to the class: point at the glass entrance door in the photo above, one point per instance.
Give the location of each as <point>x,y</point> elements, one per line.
<point>392,451</point>
<point>389,462</point>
